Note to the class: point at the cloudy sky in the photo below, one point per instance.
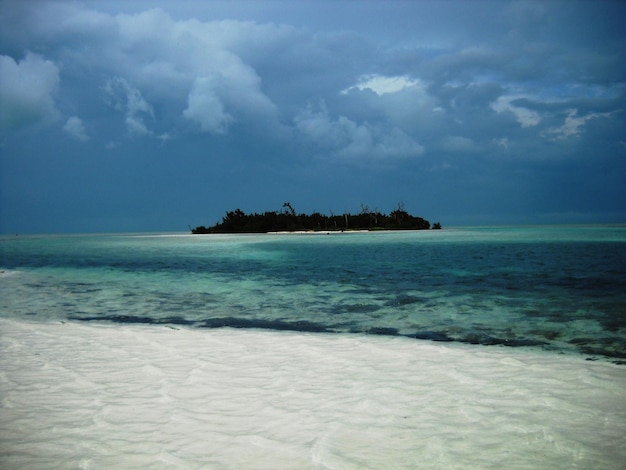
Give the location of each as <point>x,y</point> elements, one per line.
<point>148,116</point>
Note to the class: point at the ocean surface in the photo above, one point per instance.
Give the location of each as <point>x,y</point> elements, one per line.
<point>555,288</point>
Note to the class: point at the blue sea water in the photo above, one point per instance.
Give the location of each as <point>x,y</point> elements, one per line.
<point>558,288</point>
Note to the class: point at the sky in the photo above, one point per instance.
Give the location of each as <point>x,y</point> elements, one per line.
<point>141,116</point>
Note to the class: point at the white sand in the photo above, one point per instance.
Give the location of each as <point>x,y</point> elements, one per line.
<point>111,396</point>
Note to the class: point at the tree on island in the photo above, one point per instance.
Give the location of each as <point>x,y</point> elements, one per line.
<point>289,221</point>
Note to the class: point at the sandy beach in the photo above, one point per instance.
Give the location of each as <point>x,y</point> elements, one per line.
<point>111,396</point>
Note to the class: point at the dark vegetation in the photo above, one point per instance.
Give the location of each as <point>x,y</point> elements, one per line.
<point>287,220</point>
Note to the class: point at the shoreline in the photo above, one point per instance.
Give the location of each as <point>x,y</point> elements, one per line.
<point>180,233</point>
<point>98,395</point>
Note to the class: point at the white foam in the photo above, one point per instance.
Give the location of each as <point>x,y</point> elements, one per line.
<point>111,396</point>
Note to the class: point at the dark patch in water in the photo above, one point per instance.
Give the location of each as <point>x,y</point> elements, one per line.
<point>136,319</point>
<point>547,334</point>
<point>613,323</point>
<point>594,350</point>
<point>356,308</point>
<point>432,336</point>
<point>302,326</point>
<point>377,330</point>
<point>581,340</point>
<point>487,340</point>
<point>227,322</point>
<point>82,288</point>
<point>610,347</point>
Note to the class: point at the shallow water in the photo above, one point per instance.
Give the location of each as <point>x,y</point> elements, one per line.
<point>557,288</point>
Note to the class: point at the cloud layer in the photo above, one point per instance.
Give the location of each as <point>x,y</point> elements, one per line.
<point>415,89</point>
<point>27,91</point>
<point>211,76</point>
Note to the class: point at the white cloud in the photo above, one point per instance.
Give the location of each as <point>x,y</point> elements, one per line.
<point>74,128</point>
<point>219,76</point>
<point>127,99</point>
<point>344,138</point>
<point>524,116</point>
<point>27,90</point>
<point>226,91</point>
<point>382,85</point>
<point>573,124</point>
<point>199,63</point>
<point>200,71</point>
<point>136,127</point>
<point>206,108</point>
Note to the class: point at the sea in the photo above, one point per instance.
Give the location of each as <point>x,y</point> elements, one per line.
<point>560,289</point>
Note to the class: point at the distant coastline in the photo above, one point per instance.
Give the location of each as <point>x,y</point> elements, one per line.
<point>288,221</point>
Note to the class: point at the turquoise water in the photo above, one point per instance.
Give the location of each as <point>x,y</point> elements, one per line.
<point>559,288</point>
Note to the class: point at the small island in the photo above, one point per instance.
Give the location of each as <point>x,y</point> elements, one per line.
<point>287,220</point>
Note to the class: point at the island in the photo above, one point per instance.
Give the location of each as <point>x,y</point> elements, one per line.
<point>287,220</point>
